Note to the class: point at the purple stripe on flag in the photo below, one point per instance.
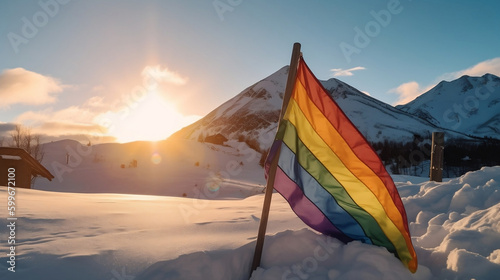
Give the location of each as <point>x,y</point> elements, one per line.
<point>304,208</point>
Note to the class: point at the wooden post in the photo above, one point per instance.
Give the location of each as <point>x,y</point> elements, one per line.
<point>436,172</point>
<point>292,73</point>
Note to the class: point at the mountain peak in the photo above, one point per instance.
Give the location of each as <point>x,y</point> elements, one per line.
<point>252,115</point>
<point>464,77</point>
<point>465,83</point>
<point>469,105</point>
<point>278,75</point>
<point>491,77</point>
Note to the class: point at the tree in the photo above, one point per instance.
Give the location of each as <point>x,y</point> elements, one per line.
<point>24,139</point>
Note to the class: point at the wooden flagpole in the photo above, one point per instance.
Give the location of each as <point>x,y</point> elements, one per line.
<point>292,74</point>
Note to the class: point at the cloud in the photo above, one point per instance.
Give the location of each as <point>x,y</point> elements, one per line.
<point>73,113</point>
<point>491,66</point>
<point>337,72</point>
<point>96,102</point>
<point>65,128</point>
<point>407,92</point>
<point>21,86</point>
<point>6,127</point>
<point>154,75</point>
<point>91,117</point>
<point>5,131</point>
<point>82,138</point>
<point>60,130</point>
<point>98,88</point>
<point>72,120</point>
<point>50,130</point>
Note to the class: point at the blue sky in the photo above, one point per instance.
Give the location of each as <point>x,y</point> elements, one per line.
<point>139,70</point>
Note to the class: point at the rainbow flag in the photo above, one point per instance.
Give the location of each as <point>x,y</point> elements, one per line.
<point>332,178</point>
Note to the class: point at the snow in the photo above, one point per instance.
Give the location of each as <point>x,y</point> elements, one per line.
<point>469,105</point>
<point>10,157</point>
<point>171,167</point>
<point>253,114</point>
<point>77,233</point>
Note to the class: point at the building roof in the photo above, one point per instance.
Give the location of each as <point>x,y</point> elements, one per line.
<point>37,168</point>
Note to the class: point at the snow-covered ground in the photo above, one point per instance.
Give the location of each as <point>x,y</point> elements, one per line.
<point>174,167</point>
<point>455,227</point>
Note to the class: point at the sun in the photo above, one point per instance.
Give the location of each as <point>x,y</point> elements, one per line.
<point>149,119</point>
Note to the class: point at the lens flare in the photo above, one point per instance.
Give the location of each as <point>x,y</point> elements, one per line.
<point>156,158</point>
<point>214,182</point>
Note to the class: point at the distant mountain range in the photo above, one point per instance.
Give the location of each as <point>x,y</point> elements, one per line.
<point>468,106</point>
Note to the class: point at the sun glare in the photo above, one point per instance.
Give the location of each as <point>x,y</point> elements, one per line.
<point>152,119</point>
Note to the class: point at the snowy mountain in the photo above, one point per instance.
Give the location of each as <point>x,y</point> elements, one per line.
<point>376,120</point>
<point>252,115</point>
<point>469,105</point>
<point>246,124</point>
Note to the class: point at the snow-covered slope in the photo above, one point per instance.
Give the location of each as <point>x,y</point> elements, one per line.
<point>470,105</point>
<point>376,120</point>
<point>249,121</point>
<point>252,115</point>
<point>174,167</point>
<point>455,227</point>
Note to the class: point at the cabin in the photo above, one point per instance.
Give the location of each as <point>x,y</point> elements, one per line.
<point>217,139</point>
<point>25,167</point>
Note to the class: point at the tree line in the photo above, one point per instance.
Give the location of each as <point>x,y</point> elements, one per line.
<point>460,155</point>
<point>413,158</point>
<point>22,137</point>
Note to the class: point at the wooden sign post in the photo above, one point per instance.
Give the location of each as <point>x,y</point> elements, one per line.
<point>437,152</point>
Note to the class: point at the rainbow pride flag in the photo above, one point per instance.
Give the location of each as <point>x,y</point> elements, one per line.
<point>331,177</point>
